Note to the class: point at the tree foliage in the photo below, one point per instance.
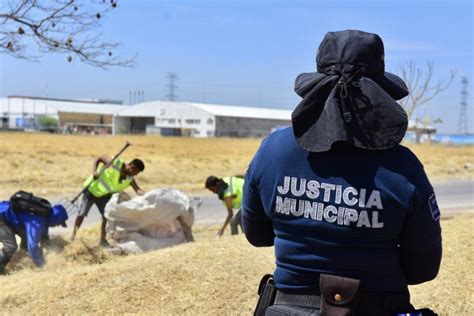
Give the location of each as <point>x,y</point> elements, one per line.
<point>48,121</point>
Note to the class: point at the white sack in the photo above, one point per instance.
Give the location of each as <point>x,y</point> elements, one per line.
<point>152,221</point>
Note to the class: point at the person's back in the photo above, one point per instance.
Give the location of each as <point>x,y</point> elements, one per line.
<point>235,188</point>
<point>348,209</point>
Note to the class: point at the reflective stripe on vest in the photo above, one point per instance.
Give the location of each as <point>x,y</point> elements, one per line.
<point>109,180</point>
<point>106,186</point>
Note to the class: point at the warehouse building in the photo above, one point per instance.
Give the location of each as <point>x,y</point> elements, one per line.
<point>156,117</point>
<point>35,113</point>
<point>199,120</point>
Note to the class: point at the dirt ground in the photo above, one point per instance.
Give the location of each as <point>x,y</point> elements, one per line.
<point>51,165</point>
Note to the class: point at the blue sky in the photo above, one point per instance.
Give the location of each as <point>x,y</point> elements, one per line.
<point>249,52</point>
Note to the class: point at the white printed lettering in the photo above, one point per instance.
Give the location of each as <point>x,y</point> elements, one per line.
<point>328,187</point>
<point>300,211</point>
<point>310,209</point>
<point>340,215</point>
<point>348,200</point>
<point>363,219</point>
<point>313,189</point>
<point>337,200</point>
<point>294,183</point>
<point>286,186</point>
<point>362,197</point>
<point>375,220</point>
<point>350,215</point>
<point>330,218</point>
<point>374,199</point>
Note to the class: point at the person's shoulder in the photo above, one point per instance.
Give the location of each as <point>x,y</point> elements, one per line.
<point>280,138</point>
<point>400,160</point>
<point>406,156</point>
<point>283,133</point>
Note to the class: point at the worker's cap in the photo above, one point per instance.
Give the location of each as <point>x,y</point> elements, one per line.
<point>57,216</point>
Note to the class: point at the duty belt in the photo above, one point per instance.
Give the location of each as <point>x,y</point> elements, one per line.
<point>310,301</point>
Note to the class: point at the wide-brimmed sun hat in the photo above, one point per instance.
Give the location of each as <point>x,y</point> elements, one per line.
<point>350,98</point>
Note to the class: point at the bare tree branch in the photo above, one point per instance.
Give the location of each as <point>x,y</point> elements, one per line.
<point>420,86</point>
<point>31,28</point>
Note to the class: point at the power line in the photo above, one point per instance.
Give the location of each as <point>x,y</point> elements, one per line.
<point>463,124</point>
<point>172,77</point>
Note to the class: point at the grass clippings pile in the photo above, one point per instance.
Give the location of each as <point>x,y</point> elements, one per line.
<point>60,253</point>
<point>207,277</point>
<point>48,164</point>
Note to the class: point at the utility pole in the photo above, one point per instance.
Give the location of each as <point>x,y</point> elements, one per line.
<point>171,76</point>
<point>462,126</point>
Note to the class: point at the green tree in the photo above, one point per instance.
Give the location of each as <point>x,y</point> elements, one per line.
<point>48,122</point>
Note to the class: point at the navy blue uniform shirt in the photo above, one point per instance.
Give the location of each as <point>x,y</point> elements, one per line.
<point>366,214</point>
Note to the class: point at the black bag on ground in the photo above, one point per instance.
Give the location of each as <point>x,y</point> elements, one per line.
<point>27,202</point>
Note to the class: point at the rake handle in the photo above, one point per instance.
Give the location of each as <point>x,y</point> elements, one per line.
<point>127,144</point>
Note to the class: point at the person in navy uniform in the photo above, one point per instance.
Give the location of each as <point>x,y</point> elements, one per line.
<point>336,193</point>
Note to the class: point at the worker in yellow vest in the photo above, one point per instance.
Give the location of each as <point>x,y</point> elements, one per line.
<point>229,190</point>
<point>116,178</point>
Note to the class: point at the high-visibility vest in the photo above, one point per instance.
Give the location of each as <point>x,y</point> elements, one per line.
<point>235,186</point>
<point>109,181</point>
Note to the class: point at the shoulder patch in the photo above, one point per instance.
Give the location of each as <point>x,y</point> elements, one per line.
<point>435,213</point>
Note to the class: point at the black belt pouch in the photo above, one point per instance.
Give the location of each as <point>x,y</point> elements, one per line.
<point>339,295</point>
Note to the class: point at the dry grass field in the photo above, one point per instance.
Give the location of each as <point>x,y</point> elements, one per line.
<point>207,277</point>
<point>57,164</point>
<point>49,164</point>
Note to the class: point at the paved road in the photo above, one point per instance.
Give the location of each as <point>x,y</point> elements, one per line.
<point>453,197</point>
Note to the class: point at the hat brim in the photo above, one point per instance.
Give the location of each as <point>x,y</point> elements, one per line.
<point>393,85</point>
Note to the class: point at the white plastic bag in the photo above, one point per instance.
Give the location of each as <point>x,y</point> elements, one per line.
<point>159,219</point>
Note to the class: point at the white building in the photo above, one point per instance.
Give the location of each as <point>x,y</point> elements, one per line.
<point>22,112</point>
<point>199,120</point>
<point>156,117</point>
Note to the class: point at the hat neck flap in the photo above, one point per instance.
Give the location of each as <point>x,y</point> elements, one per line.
<point>344,103</point>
